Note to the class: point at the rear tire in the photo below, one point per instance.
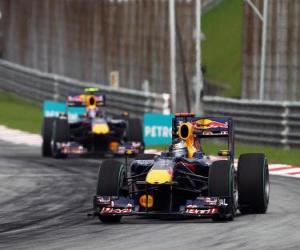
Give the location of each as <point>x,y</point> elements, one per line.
<point>134,130</point>
<point>110,182</point>
<point>60,135</point>
<point>253,183</point>
<point>221,183</point>
<point>46,135</point>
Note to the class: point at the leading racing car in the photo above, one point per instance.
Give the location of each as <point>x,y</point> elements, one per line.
<point>184,181</point>
<point>84,127</point>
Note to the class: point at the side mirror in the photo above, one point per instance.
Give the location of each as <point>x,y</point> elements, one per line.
<point>223,152</point>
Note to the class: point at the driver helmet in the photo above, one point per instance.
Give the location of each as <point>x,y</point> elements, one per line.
<point>178,148</point>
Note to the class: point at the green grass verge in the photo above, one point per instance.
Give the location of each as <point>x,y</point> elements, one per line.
<point>222,48</point>
<point>273,154</point>
<point>19,113</point>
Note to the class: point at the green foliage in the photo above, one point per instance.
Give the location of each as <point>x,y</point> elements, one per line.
<point>20,114</point>
<point>222,48</point>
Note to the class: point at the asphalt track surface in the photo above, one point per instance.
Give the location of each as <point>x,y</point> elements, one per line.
<point>44,202</point>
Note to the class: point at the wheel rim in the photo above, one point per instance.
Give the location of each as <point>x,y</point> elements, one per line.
<point>53,147</point>
<point>235,193</point>
<point>235,197</point>
<point>267,185</point>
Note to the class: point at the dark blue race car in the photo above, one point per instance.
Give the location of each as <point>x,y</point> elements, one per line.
<point>85,128</point>
<point>184,181</point>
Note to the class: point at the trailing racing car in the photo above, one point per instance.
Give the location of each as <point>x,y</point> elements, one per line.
<point>84,127</point>
<point>184,181</point>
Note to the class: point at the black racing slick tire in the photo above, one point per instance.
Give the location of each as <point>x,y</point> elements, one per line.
<point>253,183</point>
<point>110,181</point>
<point>110,178</point>
<point>135,130</point>
<point>47,128</point>
<point>60,134</point>
<point>221,183</point>
<point>135,133</point>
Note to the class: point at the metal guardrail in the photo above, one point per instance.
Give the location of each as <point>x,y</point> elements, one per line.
<point>39,86</point>
<point>265,122</point>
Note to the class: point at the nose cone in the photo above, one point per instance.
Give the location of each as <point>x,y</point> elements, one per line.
<point>159,176</point>
<point>100,129</point>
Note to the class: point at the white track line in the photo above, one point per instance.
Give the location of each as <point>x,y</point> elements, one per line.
<point>20,137</point>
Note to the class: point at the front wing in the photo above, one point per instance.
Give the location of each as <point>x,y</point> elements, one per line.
<point>201,207</point>
<point>74,148</point>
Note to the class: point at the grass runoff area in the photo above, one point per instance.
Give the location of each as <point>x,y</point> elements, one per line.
<point>222,47</point>
<point>273,154</point>
<point>18,113</point>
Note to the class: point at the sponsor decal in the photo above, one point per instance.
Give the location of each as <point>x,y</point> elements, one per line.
<point>77,98</point>
<point>204,124</point>
<point>53,108</point>
<point>222,202</point>
<point>146,201</point>
<point>196,211</point>
<point>157,129</point>
<point>74,113</point>
<point>209,201</point>
<point>112,210</point>
<point>104,200</point>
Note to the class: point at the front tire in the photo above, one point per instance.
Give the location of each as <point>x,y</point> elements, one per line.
<point>46,135</point>
<point>60,135</point>
<point>110,181</point>
<point>221,183</point>
<point>253,183</point>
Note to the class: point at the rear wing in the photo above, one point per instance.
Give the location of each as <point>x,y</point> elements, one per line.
<point>187,126</point>
<point>204,126</point>
<point>86,100</point>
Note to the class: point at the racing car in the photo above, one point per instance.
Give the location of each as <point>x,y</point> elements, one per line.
<point>84,127</point>
<point>184,181</point>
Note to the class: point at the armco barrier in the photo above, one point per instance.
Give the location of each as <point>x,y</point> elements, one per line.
<point>40,86</point>
<point>266,122</point>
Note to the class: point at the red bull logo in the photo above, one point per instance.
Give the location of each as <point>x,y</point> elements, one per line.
<point>208,124</point>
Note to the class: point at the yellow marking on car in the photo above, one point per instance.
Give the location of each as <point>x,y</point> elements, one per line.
<point>100,128</point>
<point>185,133</point>
<point>159,176</point>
